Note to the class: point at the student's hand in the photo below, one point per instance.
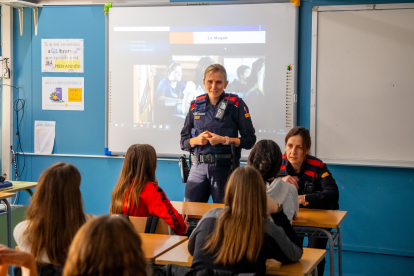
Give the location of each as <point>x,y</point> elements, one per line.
<point>10,257</point>
<point>272,206</point>
<point>302,201</point>
<point>185,217</point>
<point>216,139</point>
<point>292,180</point>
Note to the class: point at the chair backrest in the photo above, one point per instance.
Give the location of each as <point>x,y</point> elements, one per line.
<point>140,223</point>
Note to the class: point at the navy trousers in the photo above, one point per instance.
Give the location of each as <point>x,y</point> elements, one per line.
<point>205,180</point>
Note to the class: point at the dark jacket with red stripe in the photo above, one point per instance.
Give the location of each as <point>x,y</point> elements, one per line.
<point>325,194</point>
<point>154,202</point>
<point>201,118</point>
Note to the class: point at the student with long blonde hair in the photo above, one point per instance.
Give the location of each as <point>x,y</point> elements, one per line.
<point>106,246</point>
<point>137,192</point>
<point>239,238</point>
<point>53,217</point>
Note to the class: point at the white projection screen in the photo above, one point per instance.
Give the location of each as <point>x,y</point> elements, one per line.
<point>156,56</point>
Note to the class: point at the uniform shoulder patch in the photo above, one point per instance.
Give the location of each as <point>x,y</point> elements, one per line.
<point>325,174</point>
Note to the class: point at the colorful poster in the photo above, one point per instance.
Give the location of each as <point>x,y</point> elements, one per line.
<point>62,55</point>
<point>62,93</point>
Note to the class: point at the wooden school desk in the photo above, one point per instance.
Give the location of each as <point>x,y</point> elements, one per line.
<point>310,223</point>
<point>310,259</point>
<point>4,197</point>
<point>155,245</point>
<point>23,185</point>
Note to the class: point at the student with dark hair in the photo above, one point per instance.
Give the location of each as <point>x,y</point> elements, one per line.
<point>317,188</point>
<point>256,96</point>
<point>53,217</point>
<point>106,246</point>
<point>137,192</point>
<point>170,89</point>
<point>240,85</point>
<point>239,238</point>
<point>266,157</point>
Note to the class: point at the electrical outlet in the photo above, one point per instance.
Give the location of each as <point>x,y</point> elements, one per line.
<point>6,69</point>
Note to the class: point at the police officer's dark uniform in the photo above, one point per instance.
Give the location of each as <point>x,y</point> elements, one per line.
<point>325,194</point>
<point>208,175</point>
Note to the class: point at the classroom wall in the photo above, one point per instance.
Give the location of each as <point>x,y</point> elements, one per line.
<point>375,197</point>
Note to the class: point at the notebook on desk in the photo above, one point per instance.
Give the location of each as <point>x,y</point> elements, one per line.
<point>5,185</point>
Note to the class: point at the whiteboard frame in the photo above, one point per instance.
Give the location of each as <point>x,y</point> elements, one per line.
<point>314,59</point>
<point>148,4</point>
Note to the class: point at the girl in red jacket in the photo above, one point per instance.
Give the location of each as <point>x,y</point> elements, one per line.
<point>137,192</point>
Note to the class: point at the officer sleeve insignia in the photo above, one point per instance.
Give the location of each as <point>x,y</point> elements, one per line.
<point>324,174</point>
<point>247,115</point>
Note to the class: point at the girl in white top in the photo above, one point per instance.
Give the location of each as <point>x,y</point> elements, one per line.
<point>266,157</point>
<point>53,217</point>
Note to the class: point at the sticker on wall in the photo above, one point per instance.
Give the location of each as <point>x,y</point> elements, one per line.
<point>62,55</point>
<point>62,93</point>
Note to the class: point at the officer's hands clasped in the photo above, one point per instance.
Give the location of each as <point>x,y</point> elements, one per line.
<point>202,138</point>
<point>209,137</point>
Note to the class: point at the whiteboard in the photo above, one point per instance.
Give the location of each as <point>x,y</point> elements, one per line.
<point>363,85</point>
<point>146,43</point>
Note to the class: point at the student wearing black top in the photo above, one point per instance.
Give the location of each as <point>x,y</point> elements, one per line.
<point>239,238</point>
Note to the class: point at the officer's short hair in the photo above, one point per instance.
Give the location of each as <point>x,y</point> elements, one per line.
<point>266,157</point>
<point>304,133</point>
<point>216,68</point>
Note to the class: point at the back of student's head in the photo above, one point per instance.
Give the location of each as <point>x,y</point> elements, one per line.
<point>139,167</point>
<point>266,157</point>
<point>106,246</point>
<point>56,212</point>
<point>240,228</point>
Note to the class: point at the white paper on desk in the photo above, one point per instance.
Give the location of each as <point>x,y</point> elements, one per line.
<point>44,136</point>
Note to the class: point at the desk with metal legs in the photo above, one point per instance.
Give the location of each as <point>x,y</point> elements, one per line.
<point>4,197</point>
<point>310,222</point>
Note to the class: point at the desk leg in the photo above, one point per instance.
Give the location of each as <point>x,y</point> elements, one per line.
<point>8,222</point>
<point>29,191</point>
<point>331,250</point>
<point>9,235</point>
<point>339,251</point>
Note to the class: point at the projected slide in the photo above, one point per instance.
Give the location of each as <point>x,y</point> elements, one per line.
<point>163,93</point>
<point>157,69</point>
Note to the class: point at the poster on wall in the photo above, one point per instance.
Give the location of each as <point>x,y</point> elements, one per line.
<point>62,93</point>
<point>44,136</point>
<point>62,55</point>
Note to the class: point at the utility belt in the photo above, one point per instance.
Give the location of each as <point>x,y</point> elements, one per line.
<point>217,159</point>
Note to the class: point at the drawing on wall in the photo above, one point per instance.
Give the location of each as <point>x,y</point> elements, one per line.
<point>62,93</point>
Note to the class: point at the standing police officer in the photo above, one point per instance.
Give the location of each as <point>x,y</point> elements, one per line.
<point>213,122</point>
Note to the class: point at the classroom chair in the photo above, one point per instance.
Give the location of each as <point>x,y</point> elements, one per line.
<point>152,225</point>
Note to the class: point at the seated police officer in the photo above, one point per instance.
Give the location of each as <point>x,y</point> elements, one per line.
<point>213,122</point>
<point>317,188</point>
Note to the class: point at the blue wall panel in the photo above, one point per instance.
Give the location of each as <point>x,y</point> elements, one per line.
<point>374,197</point>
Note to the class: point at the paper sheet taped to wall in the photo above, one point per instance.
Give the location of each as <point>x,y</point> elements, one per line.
<point>44,136</point>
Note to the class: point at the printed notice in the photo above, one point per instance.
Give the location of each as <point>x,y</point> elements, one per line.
<point>44,136</point>
<point>62,55</point>
<point>62,93</point>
